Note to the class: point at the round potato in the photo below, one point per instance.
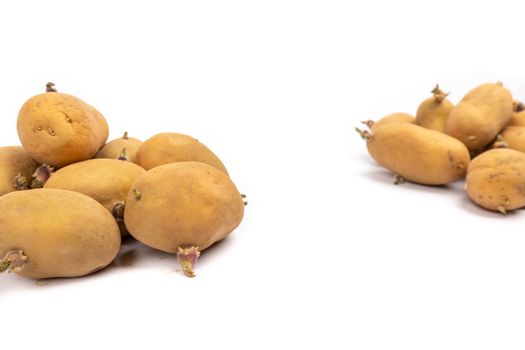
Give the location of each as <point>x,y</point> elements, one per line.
<point>171,147</point>
<point>183,208</point>
<point>16,169</point>
<point>106,180</point>
<point>433,112</point>
<point>417,154</point>
<point>480,116</point>
<point>123,147</point>
<point>496,180</point>
<point>59,129</point>
<point>48,233</point>
<point>513,137</point>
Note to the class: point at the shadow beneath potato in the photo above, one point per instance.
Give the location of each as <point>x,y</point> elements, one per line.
<point>386,177</point>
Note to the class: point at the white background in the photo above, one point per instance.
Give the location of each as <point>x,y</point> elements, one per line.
<point>330,253</point>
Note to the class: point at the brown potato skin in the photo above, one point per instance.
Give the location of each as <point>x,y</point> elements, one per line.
<point>394,118</point>
<point>518,119</point>
<point>419,155</point>
<point>183,204</point>
<point>113,149</point>
<point>14,160</point>
<point>480,116</point>
<point>62,233</point>
<point>496,179</point>
<point>59,129</point>
<point>105,180</point>
<point>514,137</point>
<point>433,113</point>
<point>171,147</point>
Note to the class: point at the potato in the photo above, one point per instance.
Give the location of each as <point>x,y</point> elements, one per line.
<point>48,233</point>
<point>106,180</point>
<point>170,147</point>
<point>518,115</point>
<point>59,129</point>
<point>417,154</point>
<point>16,169</point>
<point>114,149</point>
<point>391,118</point>
<point>496,180</point>
<point>512,137</point>
<point>183,208</point>
<point>433,112</point>
<point>480,116</point>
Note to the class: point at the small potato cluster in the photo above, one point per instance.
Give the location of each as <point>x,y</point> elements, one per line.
<point>481,139</point>
<point>67,197</point>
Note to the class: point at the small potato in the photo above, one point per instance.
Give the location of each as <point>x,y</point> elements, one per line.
<point>48,233</point>
<point>16,169</point>
<point>171,147</point>
<point>183,208</point>
<point>59,129</point>
<point>496,180</point>
<point>106,180</point>
<point>418,154</point>
<point>433,112</point>
<point>480,116</point>
<point>513,137</point>
<point>518,115</point>
<point>114,149</point>
<point>391,118</point>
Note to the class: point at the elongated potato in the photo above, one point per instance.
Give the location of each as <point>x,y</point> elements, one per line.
<point>106,180</point>
<point>433,112</point>
<point>183,208</point>
<point>418,154</point>
<point>170,147</point>
<point>55,233</point>
<point>496,180</point>
<point>480,116</point>
<point>16,169</point>
<point>59,129</point>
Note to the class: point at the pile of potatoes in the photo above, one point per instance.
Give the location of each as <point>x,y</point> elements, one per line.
<point>67,197</point>
<point>481,139</point>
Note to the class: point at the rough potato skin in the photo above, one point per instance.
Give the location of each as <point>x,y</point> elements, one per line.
<point>433,113</point>
<point>183,204</point>
<point>514,137</point>
<point>480,116</point>
<point>60,129</point>
<point>113,149</point>
<point>418,154</point>
<point>496,179</point>
<point>62,233</point>
<point>14,160</point>
<point>394,118</point>
<point>167,148</point>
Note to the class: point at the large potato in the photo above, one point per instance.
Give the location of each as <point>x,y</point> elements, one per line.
<point>16,169</point>
<point>480,116</point>
<point>418,154</point>
<point>433,112</point>
<point>114,148</point>
<point>496,180</point>
<point>60,129</point>
<point>55,233</point>
<point>183,208</point>
<point>106,180</point>
<point>171,147</point>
